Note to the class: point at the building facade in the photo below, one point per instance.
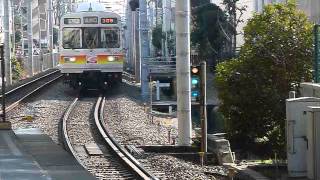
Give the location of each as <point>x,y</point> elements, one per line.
<point>310,7</point>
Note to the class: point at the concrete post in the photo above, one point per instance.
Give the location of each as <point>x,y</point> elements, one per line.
<point>7,51</point>
<point>30,39</point>
<point>144,42</point>
<point>50,34</point>
<point>183,71</point>
<point>128,38</point>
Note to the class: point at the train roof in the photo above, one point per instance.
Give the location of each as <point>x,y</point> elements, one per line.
<point>91,13</point>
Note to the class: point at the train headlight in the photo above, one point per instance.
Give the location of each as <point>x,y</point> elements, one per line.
<point>69,59</point>
<point>111,58</point>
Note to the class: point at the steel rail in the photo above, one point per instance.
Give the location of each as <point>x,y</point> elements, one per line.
<point>122,153</point>
<point>64,132</point>
<point>17,102</point>
<point>30,82</point>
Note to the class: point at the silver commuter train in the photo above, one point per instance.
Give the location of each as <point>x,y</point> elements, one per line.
<point>91,52</point>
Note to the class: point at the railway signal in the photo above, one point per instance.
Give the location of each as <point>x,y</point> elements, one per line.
<point>195,83</point>
<point>198,94</point>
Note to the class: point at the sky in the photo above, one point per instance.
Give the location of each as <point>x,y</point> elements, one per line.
<point>117,6</point>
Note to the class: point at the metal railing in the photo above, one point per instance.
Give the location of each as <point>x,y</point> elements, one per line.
<point>161,65</point>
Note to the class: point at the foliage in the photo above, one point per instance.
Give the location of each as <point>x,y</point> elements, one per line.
<point>209,30</point>
<point>253,88</point>
<point>157,37</point>
<point>18,36</point>
<point>195,3</point>
<point>234,12</point>
<point>171,40</point>
<point>17,69</point>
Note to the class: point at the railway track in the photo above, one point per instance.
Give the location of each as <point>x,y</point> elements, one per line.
<point>15,96</point>
<point>84,133</point>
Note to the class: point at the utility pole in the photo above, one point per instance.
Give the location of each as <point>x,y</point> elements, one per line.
<point>13,30</point>
<point>7,51</point>
<point>156,9</point>
<point>50,33</point>
<point>182,15</point>
<point>144,48</point>
<point>30,38</point>
<point>166,27</point>
<point>234,24</point>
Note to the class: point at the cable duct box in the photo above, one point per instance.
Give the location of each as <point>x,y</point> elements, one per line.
<point>296,132</point>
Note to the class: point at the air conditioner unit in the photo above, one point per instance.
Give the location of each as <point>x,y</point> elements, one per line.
<point>296,110</point>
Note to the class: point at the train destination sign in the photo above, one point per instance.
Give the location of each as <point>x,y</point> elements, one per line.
<point>109,20</point>
<point>90,20</point>
<point>72,21</point>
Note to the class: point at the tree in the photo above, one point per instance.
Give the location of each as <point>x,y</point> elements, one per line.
<point>234,16</point>
<point>157,37</point>
<point>55,35</point>
<point>209,30</point>
<point>277,53</point>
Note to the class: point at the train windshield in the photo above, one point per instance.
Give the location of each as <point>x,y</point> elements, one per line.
<point>71,38</point>
<point>110,38</point>
<point>90,38</point>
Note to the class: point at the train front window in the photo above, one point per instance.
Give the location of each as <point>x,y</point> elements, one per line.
<point>71,38</point>
<point>110,38</point>
<point>90,38</point>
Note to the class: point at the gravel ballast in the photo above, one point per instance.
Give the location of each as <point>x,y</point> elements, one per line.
<point>130,124</point>
<point>44,110</point>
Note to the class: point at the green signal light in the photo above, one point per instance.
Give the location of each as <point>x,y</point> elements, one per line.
<point>194,81</point>
<point>194,93</point>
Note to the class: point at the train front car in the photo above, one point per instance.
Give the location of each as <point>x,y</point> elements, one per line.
<point>90,49</point>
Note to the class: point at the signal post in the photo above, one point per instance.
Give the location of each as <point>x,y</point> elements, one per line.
<point>199,94</point>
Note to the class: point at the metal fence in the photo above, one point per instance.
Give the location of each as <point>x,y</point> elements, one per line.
<point>161,65</point>
<point>41,63</point>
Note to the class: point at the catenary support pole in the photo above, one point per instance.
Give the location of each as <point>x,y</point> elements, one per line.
<point>182,15</point>
<point>7,51</point>
<point>30,43</point>
<point>50,34</point>
<point>144,41</point>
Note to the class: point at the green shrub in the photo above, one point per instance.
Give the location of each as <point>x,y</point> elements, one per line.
<point>17,69</point>
<point>277,52</point>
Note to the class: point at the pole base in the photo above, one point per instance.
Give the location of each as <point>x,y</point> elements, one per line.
<point>5,125</point>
